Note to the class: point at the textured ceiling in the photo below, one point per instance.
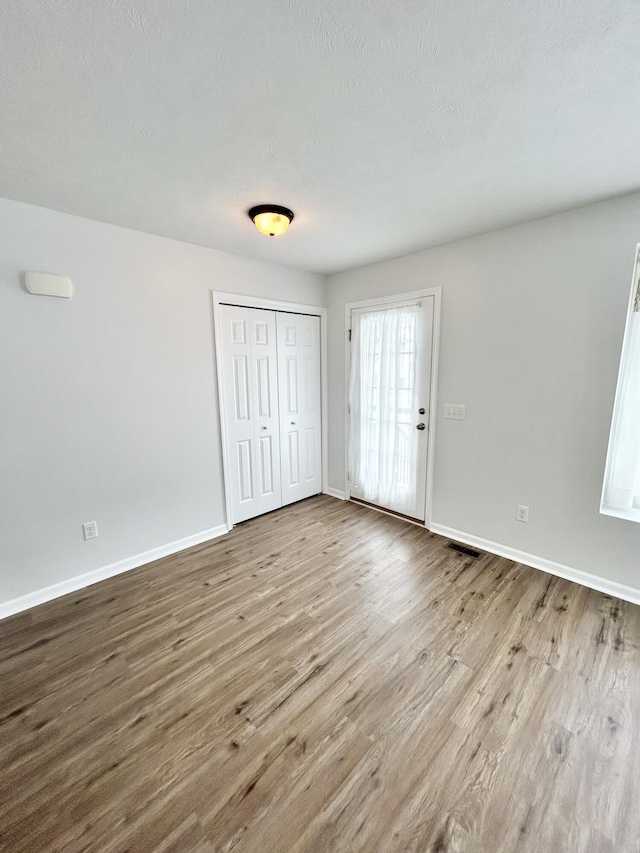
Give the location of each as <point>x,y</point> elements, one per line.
<point>386,125</point>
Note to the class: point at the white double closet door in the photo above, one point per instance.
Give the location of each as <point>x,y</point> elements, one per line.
<point>270,377</point>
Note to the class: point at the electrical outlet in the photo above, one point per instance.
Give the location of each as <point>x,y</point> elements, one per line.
<point>90,530</point>
<point>454,412</point>
<point>522,513</point>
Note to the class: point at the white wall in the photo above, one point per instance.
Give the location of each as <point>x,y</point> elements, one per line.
<point>108,407</point>
<point>532,326</point>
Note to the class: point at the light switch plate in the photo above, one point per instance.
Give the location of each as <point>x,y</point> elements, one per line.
<point>454,411</point>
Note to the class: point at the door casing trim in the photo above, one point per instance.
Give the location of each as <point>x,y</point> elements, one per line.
<point>220,297</point>
<point>382,301</point>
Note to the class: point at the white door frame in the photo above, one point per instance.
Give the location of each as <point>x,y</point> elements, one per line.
<point>382,301</point>
<point>218,297</point>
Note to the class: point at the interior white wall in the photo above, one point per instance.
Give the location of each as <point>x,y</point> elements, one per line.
<point>108,406</point>
<point>532,326</point>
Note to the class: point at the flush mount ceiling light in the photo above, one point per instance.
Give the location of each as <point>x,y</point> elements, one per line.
<point>271,219</point>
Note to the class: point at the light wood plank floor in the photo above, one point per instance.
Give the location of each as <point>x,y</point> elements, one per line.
<point>324,678</point>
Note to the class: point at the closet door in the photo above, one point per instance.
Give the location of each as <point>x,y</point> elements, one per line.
<point>299,399</point>
<point>250,390</point>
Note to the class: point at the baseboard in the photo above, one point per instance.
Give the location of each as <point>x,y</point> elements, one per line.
<point>335,493</point>
<point>40,596</point>
<point>617,590</point>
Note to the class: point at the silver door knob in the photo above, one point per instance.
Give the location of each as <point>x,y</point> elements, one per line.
<point>420,426</point>
<point>422,411</point>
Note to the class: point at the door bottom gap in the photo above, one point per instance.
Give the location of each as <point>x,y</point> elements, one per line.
<point>391,512</point>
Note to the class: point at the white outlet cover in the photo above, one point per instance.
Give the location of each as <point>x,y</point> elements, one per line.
<point>90,530</point>
<point>522,513</point>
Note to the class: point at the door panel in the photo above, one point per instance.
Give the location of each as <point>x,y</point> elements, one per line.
<point>241,387</point>
<point>308,385</point>
<point>300,416</point>
<point>239,331</point>
<point>261,332</point>
<point>293,458</point>
<point>309,453</point>
<point>245,474</point>
<point>292,385</point>
<point>267,473</point>
<point>263,383</point>
<point>411,392</point>
<point>270,383</point>
<point>264,347</point>
<point>249,387</point>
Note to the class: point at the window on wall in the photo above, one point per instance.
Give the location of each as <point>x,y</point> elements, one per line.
<point>621,492</point>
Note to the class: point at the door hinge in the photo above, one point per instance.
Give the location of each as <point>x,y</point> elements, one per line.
<point>349,333</point>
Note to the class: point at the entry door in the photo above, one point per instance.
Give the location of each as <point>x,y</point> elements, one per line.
<point>250,391</point>
<point>299,391</point>
<point>389,392</point>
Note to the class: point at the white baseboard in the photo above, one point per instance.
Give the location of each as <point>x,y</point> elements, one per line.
<point>40,596</point>
<point>617,590</point>
<point>335,493</point>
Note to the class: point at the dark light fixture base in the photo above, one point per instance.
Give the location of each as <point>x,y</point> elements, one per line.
<point>270,208</point>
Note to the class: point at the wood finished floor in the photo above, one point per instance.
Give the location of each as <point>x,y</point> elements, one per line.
<point>324,678</point>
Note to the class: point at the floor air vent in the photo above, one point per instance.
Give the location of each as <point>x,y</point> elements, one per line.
<point>462,549</point>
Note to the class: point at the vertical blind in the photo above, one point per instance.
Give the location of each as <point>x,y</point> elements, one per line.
<point>382,389</point>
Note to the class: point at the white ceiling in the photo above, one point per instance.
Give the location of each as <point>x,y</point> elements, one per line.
<point>386,125</point>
